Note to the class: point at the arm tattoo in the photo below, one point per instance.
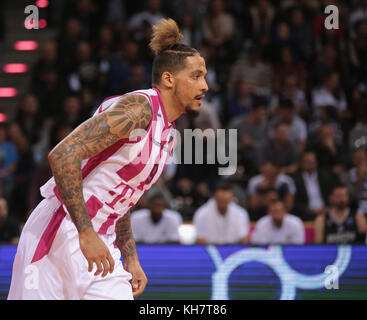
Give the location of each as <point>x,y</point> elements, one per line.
<point>90,138</point>
<point>124,237</point>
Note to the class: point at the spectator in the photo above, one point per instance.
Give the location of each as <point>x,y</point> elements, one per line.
<point>156,224</point>
<point>220,220</point>
<point>360,13</point>
<point>286,113</point>
<point>242,99</point>
<point>313,188</point>
<point>341,224</point>
<point>251,130</point>
<point>271,177</point>
<point>358,134</point>
<point>218,30</point>
<point>330,94</point>
<point>9,227</point>
<point>280,150</point>
<point>9,159</point>
<point>265,196</point>
<point>256,72</point>
<point>152,14</point>
<point>278,227</point>
<point>328,153</point>
<point>355,179</point>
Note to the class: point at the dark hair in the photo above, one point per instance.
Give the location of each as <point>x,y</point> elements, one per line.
<point>223,185</point>
<point>170,53</point>
<point>285,103</point>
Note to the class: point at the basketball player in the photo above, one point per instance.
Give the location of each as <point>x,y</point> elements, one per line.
<point>71,245</point>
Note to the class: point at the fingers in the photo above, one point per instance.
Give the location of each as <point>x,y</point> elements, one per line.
<point>99,267</point>
<point>111,262</point>
<point>138,287</point>
<point>104,265</point>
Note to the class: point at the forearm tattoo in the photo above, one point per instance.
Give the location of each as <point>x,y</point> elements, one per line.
<point>124,237</point>
<point>90,138</point>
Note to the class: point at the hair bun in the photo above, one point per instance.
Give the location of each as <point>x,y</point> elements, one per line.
<point>166,34</point>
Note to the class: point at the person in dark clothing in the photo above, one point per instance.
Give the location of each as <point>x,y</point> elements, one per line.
<point>341,224</point>
<point>313,188</point>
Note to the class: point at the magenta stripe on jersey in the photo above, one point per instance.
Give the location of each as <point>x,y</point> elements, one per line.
<point>102,156</point>
<point>48,236</point>
<point>109,222</point>
<point>133,168</point>
<point>93,205</point>
<point>117,198</point>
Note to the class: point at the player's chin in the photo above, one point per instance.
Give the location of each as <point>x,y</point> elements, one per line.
<point>193,110</point>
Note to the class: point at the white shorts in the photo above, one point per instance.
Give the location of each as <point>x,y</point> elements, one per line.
<point>62,274</point>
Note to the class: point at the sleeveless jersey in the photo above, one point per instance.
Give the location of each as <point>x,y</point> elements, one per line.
<point>345,233</point>
<point>115,179</point>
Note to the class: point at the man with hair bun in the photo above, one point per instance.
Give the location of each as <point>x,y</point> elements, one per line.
<point>76,236</point>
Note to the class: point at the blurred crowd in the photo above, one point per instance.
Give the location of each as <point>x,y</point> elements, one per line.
<point>295,91</point>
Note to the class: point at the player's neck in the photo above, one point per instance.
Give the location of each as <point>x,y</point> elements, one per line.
<point>170,104</point>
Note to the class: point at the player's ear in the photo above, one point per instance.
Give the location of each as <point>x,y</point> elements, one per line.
<point>167,79</point>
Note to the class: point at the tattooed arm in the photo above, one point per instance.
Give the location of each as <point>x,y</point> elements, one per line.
<point>125,242</point>
<point>90,138</point>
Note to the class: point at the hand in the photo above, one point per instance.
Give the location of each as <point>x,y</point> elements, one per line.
<point>139,279</point>
<point>95,251</point>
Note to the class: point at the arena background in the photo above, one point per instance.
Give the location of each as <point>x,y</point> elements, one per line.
<point>54,77</point>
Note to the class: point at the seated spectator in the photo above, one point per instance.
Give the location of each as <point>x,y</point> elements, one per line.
<point>356,178</point>
<point>271,177</point>
<point>330,94</point>
<point>256,72</point>
<point>328,153</point>
<point>286,113</point>
<point>313,188</point>
<point>358,134</point>
<point>9,227</point>
<point>184,196</point>
<point>264,198</point>
<point>156,224</point>
<point>278,227</point>
<point>220,220</point>
<point>341,224</point>
<point>8,163</point>
<point>280,150</point>
<point>251,131</point>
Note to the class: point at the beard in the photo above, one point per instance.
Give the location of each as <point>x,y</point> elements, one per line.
<point>341,206</point>
<point>191,112</point>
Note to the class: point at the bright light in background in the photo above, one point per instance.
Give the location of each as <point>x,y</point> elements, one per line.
<point>8,92</point>
<point>42,3</point>
<point>15,68</point>
<point>2,117</point>
<point>26,45</point>
<point>42,23</point>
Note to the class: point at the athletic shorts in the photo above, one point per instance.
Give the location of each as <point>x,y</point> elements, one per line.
<point>62,272</point>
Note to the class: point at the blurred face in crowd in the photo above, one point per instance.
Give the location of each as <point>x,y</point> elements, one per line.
<point>259,114</point>
<point>223,198</point>
<point>309,162</point>
<point>359,157</point>
<point>277,211</point>
<point>217,6</point>
<point>297,17</point>
<point>156,208</point>
<point>286,114</point>
<point>72,106</point>
<point>30,104</point>
<point>339,198</point>
<point>73,28</point>
<point>327,133</point>
<point>269,170</point>
<point>3,209</point>
<point>332,81</point>
<point>281,134</point>
<point>49,51</point>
